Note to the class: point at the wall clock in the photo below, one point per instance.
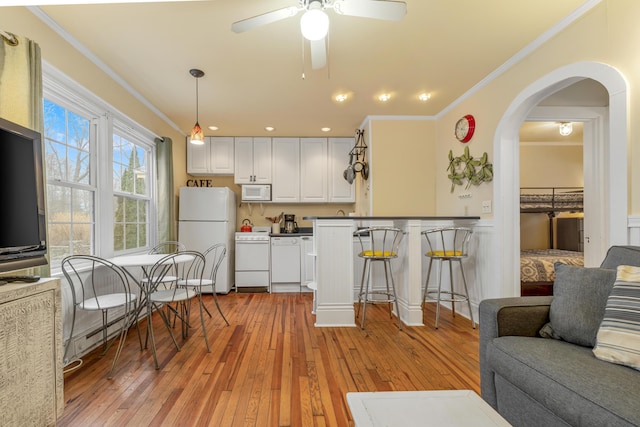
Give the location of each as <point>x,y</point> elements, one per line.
<point>465,128</point>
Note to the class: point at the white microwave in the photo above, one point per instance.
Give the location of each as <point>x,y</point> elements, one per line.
<point>256,193</point>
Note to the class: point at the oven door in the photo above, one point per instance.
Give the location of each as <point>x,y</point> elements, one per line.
<point>252,264</point>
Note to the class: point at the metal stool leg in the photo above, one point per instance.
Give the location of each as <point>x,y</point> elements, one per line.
<point>367,262</point>
<point>426,285</point>
<point>395,296</point>
<point>439,292</point>
<point>466,291</point>
<point>453,292</point>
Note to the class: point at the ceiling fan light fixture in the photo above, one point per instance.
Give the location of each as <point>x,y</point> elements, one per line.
<point>197,134</point>
<point>314,24</point>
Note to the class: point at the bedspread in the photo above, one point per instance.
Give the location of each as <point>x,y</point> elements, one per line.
<point>536,265</point>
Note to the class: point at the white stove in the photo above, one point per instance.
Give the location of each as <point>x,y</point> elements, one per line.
<point>252,258</point>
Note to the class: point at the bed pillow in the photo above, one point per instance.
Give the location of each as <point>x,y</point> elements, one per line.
<point>618,338</point>
<point>579,298</point>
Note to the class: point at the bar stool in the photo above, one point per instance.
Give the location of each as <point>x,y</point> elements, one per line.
<point>382,245</point>
<point>447,244</point>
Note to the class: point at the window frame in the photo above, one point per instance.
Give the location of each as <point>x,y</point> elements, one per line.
<point>105,121</point>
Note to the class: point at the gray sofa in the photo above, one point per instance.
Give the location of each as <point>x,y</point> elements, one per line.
<point>536,381</point>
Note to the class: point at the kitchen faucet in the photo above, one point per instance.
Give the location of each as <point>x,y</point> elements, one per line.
<point>339,211</point>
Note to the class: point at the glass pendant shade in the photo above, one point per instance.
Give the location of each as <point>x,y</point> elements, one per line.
<point>314,24</point>
<point>197,135</point>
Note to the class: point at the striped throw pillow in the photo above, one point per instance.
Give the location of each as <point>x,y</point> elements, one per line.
<point>618,338</point>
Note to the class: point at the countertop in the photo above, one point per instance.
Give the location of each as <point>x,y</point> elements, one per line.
<point>394,218</point>
<point>302,231</point>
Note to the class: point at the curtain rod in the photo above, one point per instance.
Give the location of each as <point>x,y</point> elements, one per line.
<point>9,38</point>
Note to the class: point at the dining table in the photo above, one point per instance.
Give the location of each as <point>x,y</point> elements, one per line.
<point>146,284</point>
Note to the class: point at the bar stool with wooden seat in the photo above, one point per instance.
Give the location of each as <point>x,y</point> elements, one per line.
<point>382,245</point>
<point>449,244</point>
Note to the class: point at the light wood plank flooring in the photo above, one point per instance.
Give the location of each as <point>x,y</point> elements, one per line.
<point>271,367</point>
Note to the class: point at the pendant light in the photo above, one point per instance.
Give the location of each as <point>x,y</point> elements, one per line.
<point>197,135</point>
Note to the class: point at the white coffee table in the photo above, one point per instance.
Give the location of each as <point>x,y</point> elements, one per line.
<point>422,408</point>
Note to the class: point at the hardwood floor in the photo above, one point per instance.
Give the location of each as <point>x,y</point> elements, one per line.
<point>271,367</point>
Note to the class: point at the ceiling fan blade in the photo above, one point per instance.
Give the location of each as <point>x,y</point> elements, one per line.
<point>264,19</point>
<point>318,53</point>
<point>377,9</point>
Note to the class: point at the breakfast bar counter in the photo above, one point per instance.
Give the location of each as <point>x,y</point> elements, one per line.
<point>335,267</point>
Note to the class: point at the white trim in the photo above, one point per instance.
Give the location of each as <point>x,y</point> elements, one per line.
<point>613,176</point>
<point>55,80</point>
<point>46,19</point>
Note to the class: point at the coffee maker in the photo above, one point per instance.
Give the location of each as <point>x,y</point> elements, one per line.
<point>290,224</point>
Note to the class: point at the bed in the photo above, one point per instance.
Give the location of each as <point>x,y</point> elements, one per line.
<point>536,265</point>
<point>536,269</point>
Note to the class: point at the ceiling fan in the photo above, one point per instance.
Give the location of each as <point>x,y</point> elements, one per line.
<point>314,23</point>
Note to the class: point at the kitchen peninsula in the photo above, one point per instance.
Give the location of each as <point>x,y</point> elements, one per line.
<point>334,252</point>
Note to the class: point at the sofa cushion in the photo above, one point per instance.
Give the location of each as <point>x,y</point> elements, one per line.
<point>579,297</point>
<point>618,338</point>
<point>621,255</point>
<point>568,380</point>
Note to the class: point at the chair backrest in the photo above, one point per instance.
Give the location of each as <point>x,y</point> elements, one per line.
<point>214,256</point>
<point>382,242</point>
<point>448,242</point>
<point>168,247</point>
<point>185,265</point>
<point>90,276</point>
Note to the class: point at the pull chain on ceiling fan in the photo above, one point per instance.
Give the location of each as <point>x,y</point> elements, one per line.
<point>314,23</point>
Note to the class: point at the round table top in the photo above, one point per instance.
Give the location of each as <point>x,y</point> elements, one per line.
<point>142,260</point>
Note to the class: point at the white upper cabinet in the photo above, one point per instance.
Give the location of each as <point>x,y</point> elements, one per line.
<point>252,160</point>
<point>214,157</point>
<point>340,191</point>
<point>286,170</point>
<point>313,170</point>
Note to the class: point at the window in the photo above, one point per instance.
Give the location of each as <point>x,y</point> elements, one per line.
<point>100,174</point>
<point>70,185</point>
<point>131,201</point>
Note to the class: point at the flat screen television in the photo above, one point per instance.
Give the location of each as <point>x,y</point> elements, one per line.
<point>23,220</point>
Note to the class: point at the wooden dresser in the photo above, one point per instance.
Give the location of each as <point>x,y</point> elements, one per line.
<point>31,380</point>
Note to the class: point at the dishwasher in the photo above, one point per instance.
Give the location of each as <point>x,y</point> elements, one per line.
<point>285,264</point>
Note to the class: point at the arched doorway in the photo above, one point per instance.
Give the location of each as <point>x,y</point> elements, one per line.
<point>609,163</point>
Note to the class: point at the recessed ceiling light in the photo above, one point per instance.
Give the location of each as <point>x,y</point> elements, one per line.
<point>384,97</point>
<point>269,128</point>
<point>214,127</point>
<point>325,129</point>
<point>424,96</point>
<point>341,97</point>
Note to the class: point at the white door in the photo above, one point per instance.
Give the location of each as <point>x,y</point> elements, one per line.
<point>339,189</point>
<point>262,160</point>
<point>313,170</point>
<point>243,159</point>
<point>286,170</point>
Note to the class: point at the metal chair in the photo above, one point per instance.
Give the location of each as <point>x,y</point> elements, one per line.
<point>447,244</point>
<point>189,265</point>
<point>99,285</point>
<point>214,256</point>
<point>168,247</point>
<point>382,245</point>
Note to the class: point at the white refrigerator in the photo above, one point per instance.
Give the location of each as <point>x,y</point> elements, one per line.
<point>207,216</point>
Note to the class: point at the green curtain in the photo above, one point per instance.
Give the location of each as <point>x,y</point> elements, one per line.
<point>21,90</point>
<point>166,197</point>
